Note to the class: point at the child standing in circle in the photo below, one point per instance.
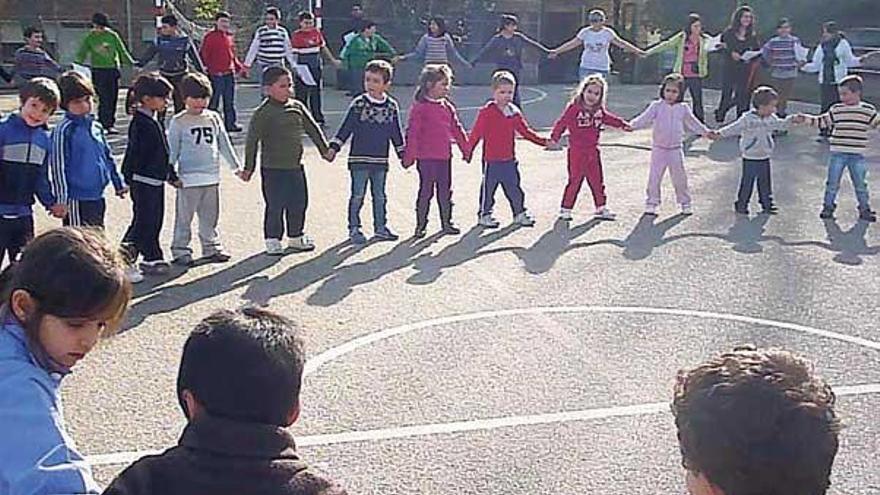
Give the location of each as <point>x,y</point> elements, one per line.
<point>68,290</point>
<point>670,118</point>
<point>584,118</point>
<point>433,125</point>
<point>498,123</point>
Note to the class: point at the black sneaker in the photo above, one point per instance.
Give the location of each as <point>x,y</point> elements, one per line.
<point>827,212</point>
<point>740,210</point>
<point>420,233</point>
<point>183,260</point>
<point>867,215</point>
<point>770,210</point>
<point>218,257</point>
<point>234,128</point>
<point>451,229</point>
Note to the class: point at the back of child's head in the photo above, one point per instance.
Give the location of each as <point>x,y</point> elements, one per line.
<point>852,82</point>
<point>74,86</point>
<point>305,15</point>
<point>244,365</point>
<point>763,95</point>
<point>503,77</point>
<point>431,75</point>
<point>150,85</point>
<point>43,89</point>
<point>381,67</point>
<point>757,422</point>
<point>674,79</point>
<point>508,20</point>
<point>271,75</point>
<point>70,273</point>
<point>195,85</point>
<point>100,19</point>
<point>577,96</point>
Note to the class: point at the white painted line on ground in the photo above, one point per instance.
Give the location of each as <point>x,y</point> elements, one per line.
<point>515,421</point>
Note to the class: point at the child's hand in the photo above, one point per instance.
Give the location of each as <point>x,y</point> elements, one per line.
<point>330,155</point>
<point>58,210</point>
<point>627,127</point>
<point>713,135</point>
<point>799,119</point>
<point>244,175</point>
<point>554,146</point>
<point>407,163</point>
<point>122,191</point>
<point>176,183</point>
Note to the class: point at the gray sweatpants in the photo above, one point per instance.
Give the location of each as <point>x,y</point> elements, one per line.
<point>203,201</point>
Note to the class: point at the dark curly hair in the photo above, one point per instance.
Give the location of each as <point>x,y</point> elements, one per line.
<point>757,422</point>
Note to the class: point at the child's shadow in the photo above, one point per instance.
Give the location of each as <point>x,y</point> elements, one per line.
<point>850,246</point>
<point>546,251</point>
<point>746,233</point>
<point>647,235</point>
<point>430,267</point>
<point>344,280</point>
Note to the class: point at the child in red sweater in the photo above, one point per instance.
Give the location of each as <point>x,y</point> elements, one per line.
<point>433,125</point>
<point>497,125</point>
<point>584,118</point>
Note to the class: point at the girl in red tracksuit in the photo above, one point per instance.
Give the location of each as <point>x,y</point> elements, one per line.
<point>584,118</point>
<point>497,124</point>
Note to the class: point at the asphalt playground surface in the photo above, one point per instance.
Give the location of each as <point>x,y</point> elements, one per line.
<point>516,360</point>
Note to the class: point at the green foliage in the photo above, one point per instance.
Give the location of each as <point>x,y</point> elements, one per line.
<point>205,9</point>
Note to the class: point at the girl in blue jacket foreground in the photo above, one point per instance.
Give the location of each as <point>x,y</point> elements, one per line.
<point>68,290</point>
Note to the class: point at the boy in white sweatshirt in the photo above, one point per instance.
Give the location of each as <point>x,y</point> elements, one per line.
<point>196,139</point>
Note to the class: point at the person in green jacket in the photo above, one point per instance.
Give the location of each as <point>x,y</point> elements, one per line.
<point>366,46</point>
<point>106,52</point>
<point>691,47</point>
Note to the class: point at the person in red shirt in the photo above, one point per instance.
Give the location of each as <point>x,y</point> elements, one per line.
<point>497,125</point>
<point>308,45</point>
<point>584,118</point>
<point>218,57</point>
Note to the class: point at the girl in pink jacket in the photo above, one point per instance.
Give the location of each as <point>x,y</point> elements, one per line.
<point>433,125</point>
<point>670,118</point>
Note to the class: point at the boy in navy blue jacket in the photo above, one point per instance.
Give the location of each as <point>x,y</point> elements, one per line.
<point>373,120</point>
<point>80,161</point>
<point>24,151</point>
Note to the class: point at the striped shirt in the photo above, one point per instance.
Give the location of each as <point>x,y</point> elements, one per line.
<point>437,50</point>
<point>781,53</point>
<point>270,46</point>
<point>849,126</point>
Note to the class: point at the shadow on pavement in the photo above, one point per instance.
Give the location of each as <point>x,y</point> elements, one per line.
<point>647,235</point>
<point>429,267</point>
<point>546,251</point>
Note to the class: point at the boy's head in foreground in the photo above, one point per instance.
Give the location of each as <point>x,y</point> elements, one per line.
<point>244,365</point>
<point>377,77</point>
<point>755,422</point>
<point>196,90</point>
<point>850,89</point>
<point>278,84</point>
<point>765,100</point>
<point>39,99</point>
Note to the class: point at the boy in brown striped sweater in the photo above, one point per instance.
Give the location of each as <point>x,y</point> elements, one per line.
<point>849,122</point>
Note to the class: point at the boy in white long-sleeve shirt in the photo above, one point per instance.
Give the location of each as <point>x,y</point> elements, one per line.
<point>196,139</point>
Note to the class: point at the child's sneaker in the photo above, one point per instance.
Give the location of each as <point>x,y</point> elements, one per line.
<point>274,247</point>
<point>183,260</point>
<point>357,237</point>
<point>565,214</point>
<point>489,222</point>
<point>451,229</point>
<point>651,210</point>
<point>827,212</point>
<point>133,274</point>
<point>386,234</point>
<point>867,215</point>
<point>218,257</point>
<point>421,232</point>
<point>525,219</point>
<point>740,210</point>
<point>603,213</point>
<point>301,244</point>
<point>770,210</point>
<point>157,267</point>
<point>687,210</point>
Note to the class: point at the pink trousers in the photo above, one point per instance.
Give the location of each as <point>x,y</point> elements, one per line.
<point>673,159</point>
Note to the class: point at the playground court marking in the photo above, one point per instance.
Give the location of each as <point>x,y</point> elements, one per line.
<point>335,353</point>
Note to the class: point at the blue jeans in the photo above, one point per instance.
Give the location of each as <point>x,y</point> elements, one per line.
<point>855,163</point>
<point>583,72</point>
<point>375,175</point>
<point>224,87</point>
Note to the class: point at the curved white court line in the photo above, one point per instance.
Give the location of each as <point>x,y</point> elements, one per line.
<point>326,357</point>
<point>542,95</point>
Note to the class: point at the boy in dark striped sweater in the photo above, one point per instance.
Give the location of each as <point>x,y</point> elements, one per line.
<point>373,120</point>
<point>849,123</point>
<point>785,54</point>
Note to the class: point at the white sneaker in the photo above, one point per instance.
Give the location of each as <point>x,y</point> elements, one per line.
<point>604,213</point>
<point>651,210</point>
<point>274,247</point>
<point>133,274</point>
<point>687,210</point>
<point>565,214</point>
<point>488,222</point>
<point>301,243</point>
<point>525,219</point>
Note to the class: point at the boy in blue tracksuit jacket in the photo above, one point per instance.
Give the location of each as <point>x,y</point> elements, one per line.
<point>80,162</point>
<point>24,150</point>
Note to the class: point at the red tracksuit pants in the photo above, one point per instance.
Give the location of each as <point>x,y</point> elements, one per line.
<point>584,164</point>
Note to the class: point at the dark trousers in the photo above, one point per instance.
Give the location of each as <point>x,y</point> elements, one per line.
<point>829,96</point>
<point>695,86</point>
<point>15,233</point>
<point>85,213</point>
<point>435,176</point>
<point>286,194</point>
<point>107,86</point>
<point>224,87</point>
<point>310,96</point>
<point>734,91</point>
<point>356,81</point>
<point>176,95</point>
<point>147,214</point>
<point>505,174</point>
<point>755,171</point>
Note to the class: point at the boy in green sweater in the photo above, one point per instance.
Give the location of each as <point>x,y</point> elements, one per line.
<point>276,130</point>
<point>106,51</point>
<point>366,46</point>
